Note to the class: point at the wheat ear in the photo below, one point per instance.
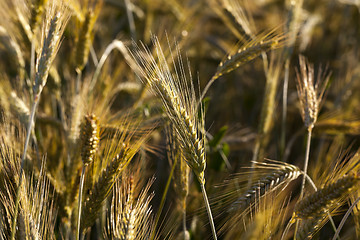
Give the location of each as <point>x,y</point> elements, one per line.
<point>246,53</point>
<point>310,96</point>
<point>179,101</point>
<point>53,30</point>
<point>326,197</point>
<point>90,137</point>
<point>130,211</point>
<point>84,40</point>
<point>276,175</point>
<point>107,177</point>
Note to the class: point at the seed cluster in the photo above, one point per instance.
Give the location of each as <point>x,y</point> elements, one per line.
<point>89,138</point>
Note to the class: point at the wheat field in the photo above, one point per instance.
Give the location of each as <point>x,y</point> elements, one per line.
<point>184,120</point>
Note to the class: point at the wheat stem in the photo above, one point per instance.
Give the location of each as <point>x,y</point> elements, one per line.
<point>116,44</point>
<point>208,209</point>
<point>308,140</point>
<point>306,162</point>
<point>284,109</point>
<point>80,201</point>
<point>184,223</point>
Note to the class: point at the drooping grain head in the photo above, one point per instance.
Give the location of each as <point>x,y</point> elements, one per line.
<point>249,51</point>
<point>326,198</point>
<point>278,175</point>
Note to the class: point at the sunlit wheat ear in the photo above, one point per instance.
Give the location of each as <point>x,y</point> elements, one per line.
<point>310,93</point>
<point>179,100</point>
<point>178,97</point>
<point>117,157</point>
<point>248,52</point>
<point>90,137</point>
<point>85,36</point>
<point>130,211</point>
<point>325,198</point>
<point>265,222</point>
<point>269,176</point>
<point>37,214</point>
<point>56,20</point>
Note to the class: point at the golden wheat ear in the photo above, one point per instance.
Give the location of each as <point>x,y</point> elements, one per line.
<point>247,52</point>
<point>85,36</point>
<point>117,156</point>
<point>268,176</point>
<point>176,91</point>
<point>89,137</point>
<point>266,221</point>
<point>36,212</point>
<point>130,215</point>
